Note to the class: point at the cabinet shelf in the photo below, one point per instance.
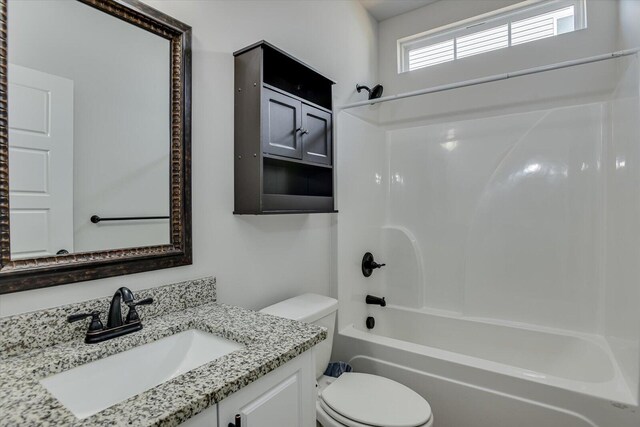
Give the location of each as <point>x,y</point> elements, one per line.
<point>301,162</point>
<point>296,179</point>
<point>283,134</point>
<point>287,203</point>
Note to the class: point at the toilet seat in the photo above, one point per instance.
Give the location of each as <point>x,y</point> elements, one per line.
<point>329,418</point>
<point>364,400</point>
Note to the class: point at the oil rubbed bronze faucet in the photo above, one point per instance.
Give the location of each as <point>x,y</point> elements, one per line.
<point>116,326</point>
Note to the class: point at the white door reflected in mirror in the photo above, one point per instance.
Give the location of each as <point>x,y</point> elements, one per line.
<point>90,131</point>
<point>41,158</point>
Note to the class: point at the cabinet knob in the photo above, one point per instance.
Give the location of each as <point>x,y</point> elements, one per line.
<point>237,421</point>
<point>303,131</point>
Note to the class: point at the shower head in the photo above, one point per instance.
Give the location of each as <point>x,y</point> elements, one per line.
<point>374,93</point>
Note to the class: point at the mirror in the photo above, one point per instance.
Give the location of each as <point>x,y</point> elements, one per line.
<point>98,141</point>
<point>88,131</point>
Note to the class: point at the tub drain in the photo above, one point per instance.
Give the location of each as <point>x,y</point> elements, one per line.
<point>371,322</point>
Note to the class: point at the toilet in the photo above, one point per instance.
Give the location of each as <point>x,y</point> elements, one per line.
<point>353,399</point>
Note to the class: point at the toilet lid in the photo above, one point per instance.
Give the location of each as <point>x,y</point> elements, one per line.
<point>376,401</point>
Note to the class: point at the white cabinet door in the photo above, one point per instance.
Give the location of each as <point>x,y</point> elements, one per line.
<point>206,418</point>
<point>282,398</point>
<point>41,158</point>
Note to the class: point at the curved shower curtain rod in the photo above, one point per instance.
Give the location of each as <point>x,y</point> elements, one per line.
<point>496,77</point>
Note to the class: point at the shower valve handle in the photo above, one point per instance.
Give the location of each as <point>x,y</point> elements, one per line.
<point>374,264</point>
<point>368,264</point>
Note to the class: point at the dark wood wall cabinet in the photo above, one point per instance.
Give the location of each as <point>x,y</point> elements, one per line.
<point>283,134</point>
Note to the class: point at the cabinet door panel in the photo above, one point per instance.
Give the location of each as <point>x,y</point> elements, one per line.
<point>206,418</point>
<point>316,142</point>
<point>280,406</point>
<point>284,397</point>
<point>281,121</point>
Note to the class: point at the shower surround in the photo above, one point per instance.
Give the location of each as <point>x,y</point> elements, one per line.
<point>510,234</point>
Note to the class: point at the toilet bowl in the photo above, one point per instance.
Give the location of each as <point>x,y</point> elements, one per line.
<point>353,399</point>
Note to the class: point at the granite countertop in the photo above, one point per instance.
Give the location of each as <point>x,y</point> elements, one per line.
<point>269,342</point>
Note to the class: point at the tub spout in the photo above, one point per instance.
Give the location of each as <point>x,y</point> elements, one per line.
<point>370,299</point>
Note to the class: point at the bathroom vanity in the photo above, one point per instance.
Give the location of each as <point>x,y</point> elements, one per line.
<point>195,362</point>
<point>283,397</point>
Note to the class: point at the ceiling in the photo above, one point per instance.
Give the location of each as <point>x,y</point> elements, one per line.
<point>384,9</point>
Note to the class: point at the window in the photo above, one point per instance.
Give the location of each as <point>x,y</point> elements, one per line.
<point>522,23</point>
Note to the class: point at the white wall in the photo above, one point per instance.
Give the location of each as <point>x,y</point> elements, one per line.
<point>629,31</point>
<point>121,115</point>
<point>257,259</point>
<point>600,36</point>
<point>520,94</point>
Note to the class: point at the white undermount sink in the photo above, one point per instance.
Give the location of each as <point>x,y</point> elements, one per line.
<point>88,389</point>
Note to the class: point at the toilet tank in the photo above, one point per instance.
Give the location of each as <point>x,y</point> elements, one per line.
<point>311,308</point>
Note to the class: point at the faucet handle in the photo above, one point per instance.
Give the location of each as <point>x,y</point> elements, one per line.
<point>95,325</point>
<point>132,315</point>
<point>145,301</point>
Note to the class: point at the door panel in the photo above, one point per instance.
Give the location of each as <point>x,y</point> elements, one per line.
<point>32,225</point>
<point>280,406</point>
<point>41,158</point>
<point>284,397</point>
<point>316,142</point>
<point>29,108</point>
<point>281,123</point>
<point>32,175</point>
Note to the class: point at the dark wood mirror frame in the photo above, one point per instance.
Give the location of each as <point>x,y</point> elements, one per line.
<point>24,274</point>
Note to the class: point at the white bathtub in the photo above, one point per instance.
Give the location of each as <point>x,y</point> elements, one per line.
<point>477,373</point>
